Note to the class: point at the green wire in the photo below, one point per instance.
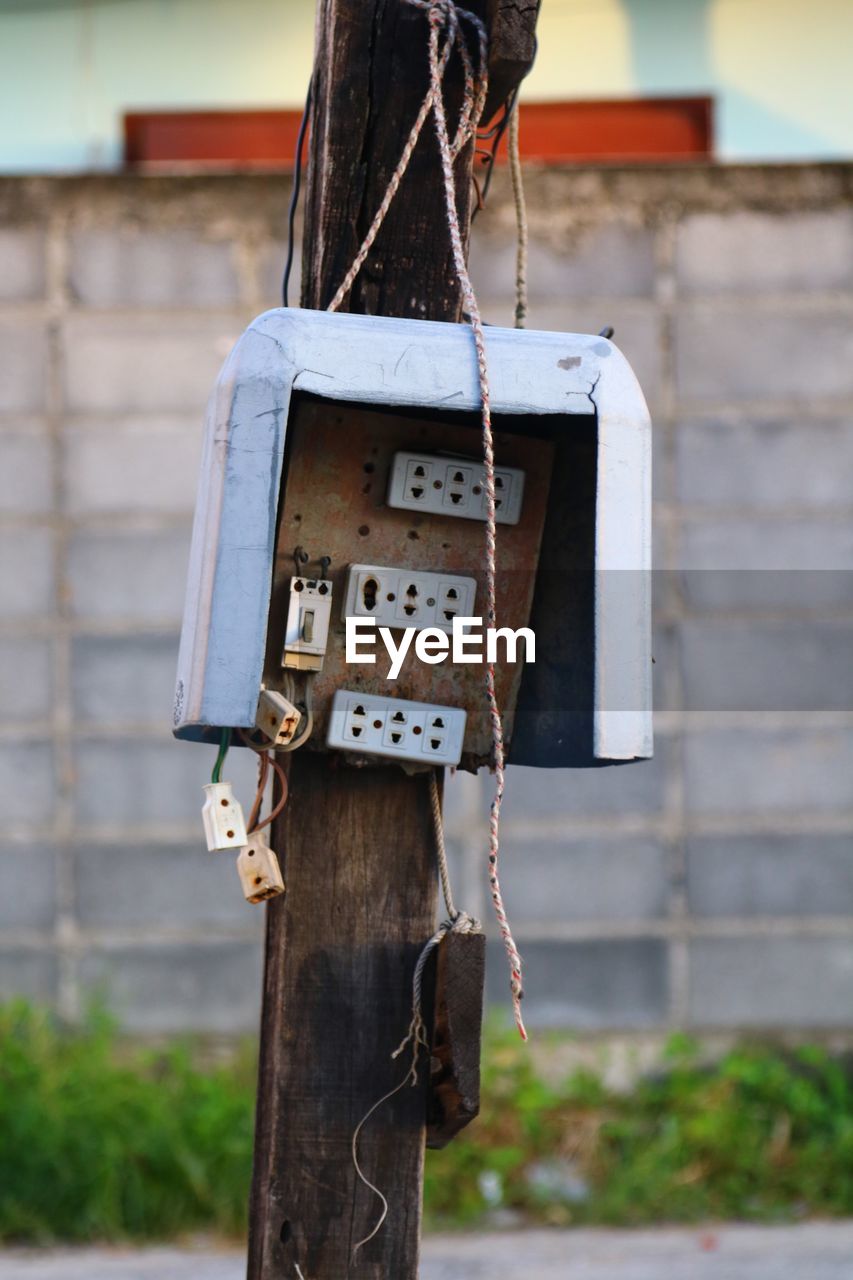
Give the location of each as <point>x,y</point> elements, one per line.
<point>224,744</point>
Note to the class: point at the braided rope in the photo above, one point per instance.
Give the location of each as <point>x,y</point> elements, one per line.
<point>445,14</point>
<point>520,220</point>
<point>438,13</point>
<point>440,848</point>
<point>396,177</point>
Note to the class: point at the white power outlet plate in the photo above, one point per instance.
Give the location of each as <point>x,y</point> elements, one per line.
<point>393,727</point>
<point>307,631</point>
<point>406,597</point>
<point>453,487</point>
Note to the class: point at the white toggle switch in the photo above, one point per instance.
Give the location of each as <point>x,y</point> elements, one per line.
<point>307,630</point>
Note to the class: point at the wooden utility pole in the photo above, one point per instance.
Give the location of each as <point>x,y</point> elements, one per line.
<point>357,846</point>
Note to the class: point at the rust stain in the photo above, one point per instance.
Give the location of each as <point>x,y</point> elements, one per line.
<point>331,510</point>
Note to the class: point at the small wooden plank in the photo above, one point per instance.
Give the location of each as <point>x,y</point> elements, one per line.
<point>457,1025</point>
<point>512,47</point>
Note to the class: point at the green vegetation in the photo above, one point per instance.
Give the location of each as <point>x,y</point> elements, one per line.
<point>97,1143</point>
<point>764,1134</point>
<point>99,1140</point>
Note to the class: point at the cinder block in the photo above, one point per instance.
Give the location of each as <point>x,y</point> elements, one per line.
<point>463,799</point>
<point>741,352</point>
<point>161,887</point>
<point>594,879</point>
<point>771,982</point>
<point>28,975</point>
<point>662,481</point>
<point>792,665</point>
<point>769,772</point>
<point>146,364</point>
<point>587,986</point>
<point>135,266</point>
<point>26,477</point>
<point>213,988</point>
<point>27,782</point>
<point>141,465</point>
<point>666,672</point>
<point>123,679</point>
<point>765,463</point>
<point>27,886</point>
<point>637,332</point>
<point>798,875</point>
<point>534,794</point>
<point>745,252</point>
<point>21,264</point>
<point>138,781</point>
<point>139,576</point>
<point>27,573</point>
<point>755,565</point>
<point>26,677</point>
<point>609,259</point>
<point>23,365</point>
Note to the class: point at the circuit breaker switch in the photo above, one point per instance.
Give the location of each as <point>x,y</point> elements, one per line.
<point>307,631</point>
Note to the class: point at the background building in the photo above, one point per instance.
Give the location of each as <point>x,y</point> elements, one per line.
<point>712,887</point>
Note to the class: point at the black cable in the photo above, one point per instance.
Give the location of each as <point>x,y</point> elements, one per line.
<point>294,195</point>
<point>498,130</point>
<point>496,133</point>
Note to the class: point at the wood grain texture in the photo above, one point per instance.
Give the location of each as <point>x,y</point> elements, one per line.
<point>340,951</point>
<point>512,47</point>
<point>371,75</point>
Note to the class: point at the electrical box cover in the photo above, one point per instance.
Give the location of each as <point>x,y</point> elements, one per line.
<point>566,408</point>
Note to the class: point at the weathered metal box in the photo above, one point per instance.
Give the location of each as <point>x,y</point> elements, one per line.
<point>301,433</point>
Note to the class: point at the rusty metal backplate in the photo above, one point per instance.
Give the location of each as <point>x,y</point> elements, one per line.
<point>336,478</point>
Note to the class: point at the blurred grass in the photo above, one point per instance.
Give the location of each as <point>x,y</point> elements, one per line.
<point>100,1140</point>
<point>764,1135</point>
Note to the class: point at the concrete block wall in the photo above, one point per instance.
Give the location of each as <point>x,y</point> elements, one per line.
<point>709,888</point>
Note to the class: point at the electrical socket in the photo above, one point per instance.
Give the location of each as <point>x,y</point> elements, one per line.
<point>276,717</point>
<point>407,597</point>
<point>453,487</point>
<point>392,727</point>
<point>222,815</point>
<point>307,629</point>
<point>258,869</point>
